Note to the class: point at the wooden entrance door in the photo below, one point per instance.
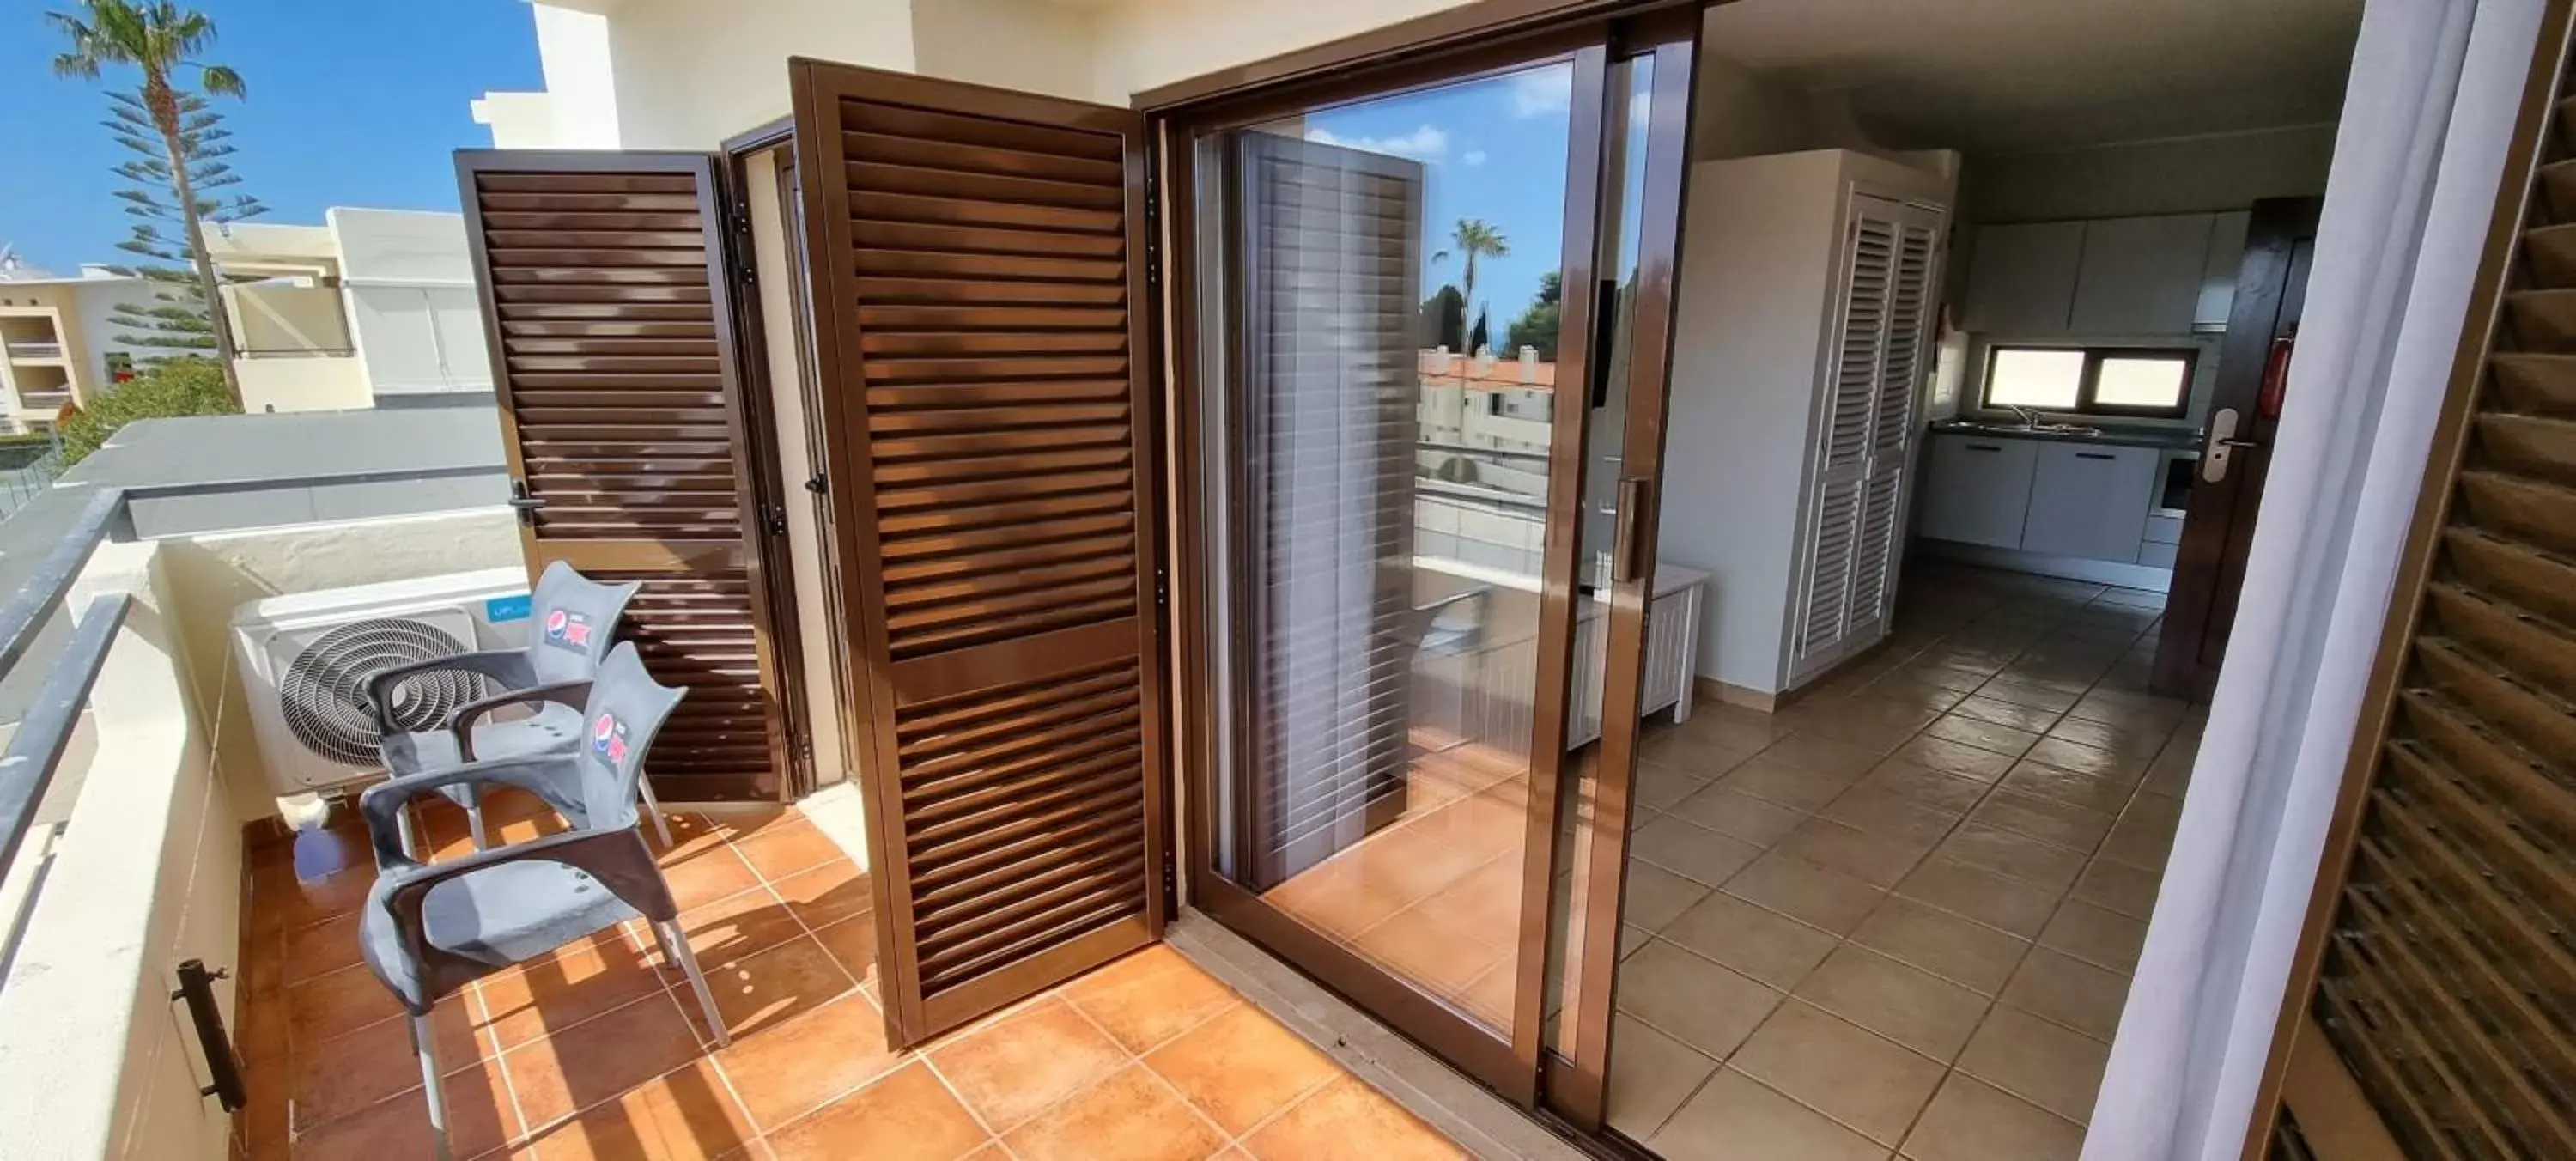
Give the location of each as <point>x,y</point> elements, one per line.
<point>2244,409</point>
<point>980,305</point>
<point>607,306</point>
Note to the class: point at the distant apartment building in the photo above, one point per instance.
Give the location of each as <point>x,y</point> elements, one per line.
<point>372,308</point>
<point>58,343</point>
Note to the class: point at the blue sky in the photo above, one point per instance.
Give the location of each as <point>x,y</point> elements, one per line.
<point>1494,149</point>
<point>355,104</point>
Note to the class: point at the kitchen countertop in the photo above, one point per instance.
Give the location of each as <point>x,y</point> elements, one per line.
<point>2167,438</point>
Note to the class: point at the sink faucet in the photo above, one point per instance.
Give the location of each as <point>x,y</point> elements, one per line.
<point>2029,418</point>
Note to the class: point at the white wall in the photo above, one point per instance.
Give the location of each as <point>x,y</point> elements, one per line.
<point>303,383</point>
<point>408,285</point>
<point>1037,46</point>
<point>99,1061</point>
<point>1146,43</point>
<point>690,74</point>
<point>581,86</point>
<point>212,575</point>
<point>2180,176</point>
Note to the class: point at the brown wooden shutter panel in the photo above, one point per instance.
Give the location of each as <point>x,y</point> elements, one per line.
<point>980,261</point>
<point>606,298</point>
<point>2448,982</point>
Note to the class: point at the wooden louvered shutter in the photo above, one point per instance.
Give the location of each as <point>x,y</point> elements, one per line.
<point>2445,981</point>
<point>606,305</point>
<point>1331,258</point>
<point>981,308</point>
<point>1912,293</point>
<point>1842,446</point>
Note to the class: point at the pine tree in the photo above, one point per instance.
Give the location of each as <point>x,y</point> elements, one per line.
<point>180,322</point>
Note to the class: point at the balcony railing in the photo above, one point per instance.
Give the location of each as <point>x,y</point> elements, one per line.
<point>35,350</point>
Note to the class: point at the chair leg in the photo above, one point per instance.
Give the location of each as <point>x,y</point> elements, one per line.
<point>424,1039</point>
<point>675,949</point>
<point>653,807</point>
<point>474,826</point>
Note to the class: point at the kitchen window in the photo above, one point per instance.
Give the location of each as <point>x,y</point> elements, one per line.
<point>2147,382</point>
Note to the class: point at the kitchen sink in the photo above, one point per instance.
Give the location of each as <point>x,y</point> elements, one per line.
<point>2072,429</point>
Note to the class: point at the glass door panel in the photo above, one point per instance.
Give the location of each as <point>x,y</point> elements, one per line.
<point>1392,300</point>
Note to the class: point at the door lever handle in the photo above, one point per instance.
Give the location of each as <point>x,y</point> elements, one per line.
<point>2222,445</point>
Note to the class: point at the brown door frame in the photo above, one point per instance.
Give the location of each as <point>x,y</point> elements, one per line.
<point>2218,524</point>
<point>2454,433</point>
<point>869,711</point>
<point>1576,1081</point>
<point>755,461</point>
<point>1479,40</point>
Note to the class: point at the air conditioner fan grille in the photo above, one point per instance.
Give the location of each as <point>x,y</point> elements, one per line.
<point>323,695</point>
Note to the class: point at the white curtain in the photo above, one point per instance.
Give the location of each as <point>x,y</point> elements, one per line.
<point>2427,114</point>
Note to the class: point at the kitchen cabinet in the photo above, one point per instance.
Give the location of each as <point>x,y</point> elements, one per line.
<point>2022,278</point>
<point>2106,278</point>
<point>2140,276</point>
<point>1978,490</point>
<point>2218,272</point>
<point>2090,500</point>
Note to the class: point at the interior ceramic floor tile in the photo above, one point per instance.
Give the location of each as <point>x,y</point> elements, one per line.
<point>1964,1013</point>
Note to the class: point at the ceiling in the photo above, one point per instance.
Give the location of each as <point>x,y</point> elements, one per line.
<point>2004,76</point>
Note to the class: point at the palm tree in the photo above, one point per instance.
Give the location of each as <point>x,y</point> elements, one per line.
<point>1474,236</point>
<point>161,39</point>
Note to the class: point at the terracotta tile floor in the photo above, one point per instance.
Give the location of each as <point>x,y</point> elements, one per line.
<point>1898,918</point>
<point>1433,897</point>
<point>593,1054</point>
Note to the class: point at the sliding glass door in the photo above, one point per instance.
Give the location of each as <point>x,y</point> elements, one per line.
<point>1404,380</point>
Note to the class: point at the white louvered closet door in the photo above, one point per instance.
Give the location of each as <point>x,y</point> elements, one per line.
<point>1903,362</point>
<point>1876,358</point>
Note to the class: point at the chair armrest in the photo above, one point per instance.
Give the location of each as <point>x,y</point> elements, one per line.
<point>382,804</point>
<point>573,694</point>
<point>509,667</point>
<point>618,859</point>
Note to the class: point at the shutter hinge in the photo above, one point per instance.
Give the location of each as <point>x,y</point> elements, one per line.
<point>1162,588</point>
<point>1171,882</point>
<point>774,519</point>
<point>743,262</point>
<point>1153,227</point>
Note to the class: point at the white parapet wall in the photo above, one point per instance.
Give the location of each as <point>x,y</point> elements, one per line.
<point>144,873</point>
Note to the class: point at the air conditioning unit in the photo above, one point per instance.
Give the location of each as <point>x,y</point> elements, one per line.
<point>305,660</point>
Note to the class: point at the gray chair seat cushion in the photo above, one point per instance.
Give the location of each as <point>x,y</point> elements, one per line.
<point>500,915</point>
<point>553,729</point>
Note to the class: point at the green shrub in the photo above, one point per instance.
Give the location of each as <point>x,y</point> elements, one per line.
<point>183,386</point>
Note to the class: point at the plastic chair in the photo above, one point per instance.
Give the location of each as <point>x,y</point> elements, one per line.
<point>572,623</point>
<point>429,929</point>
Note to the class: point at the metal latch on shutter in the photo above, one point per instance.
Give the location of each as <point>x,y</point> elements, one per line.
<point>524,504</point>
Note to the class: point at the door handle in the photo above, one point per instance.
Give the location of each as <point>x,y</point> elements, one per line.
<point>2222,445</point>
<point>525,505</point>
<point>1626,550</point>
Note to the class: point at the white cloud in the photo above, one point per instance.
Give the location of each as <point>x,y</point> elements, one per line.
<point>1474,157</point>
<point>1542,91</point>
<point>1427,143</point>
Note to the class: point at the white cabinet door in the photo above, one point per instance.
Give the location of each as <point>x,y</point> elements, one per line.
<point>1977,489</point>
<point>2023,278</point>
<point>2140,276</point>
<point>2090,501</point>
<point>2218,272</point>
